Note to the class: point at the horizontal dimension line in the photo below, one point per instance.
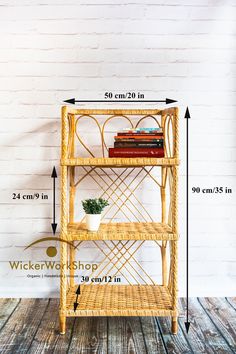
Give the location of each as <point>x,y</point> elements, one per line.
<point>119,101</point>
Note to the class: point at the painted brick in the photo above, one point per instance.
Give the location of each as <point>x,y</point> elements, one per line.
<point>177,48</point>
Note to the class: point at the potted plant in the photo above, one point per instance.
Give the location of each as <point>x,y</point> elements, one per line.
<point>93,209</point>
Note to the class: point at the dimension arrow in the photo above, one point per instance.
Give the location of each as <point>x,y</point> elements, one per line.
<point>73,101</point>
<point>76,304</point>
<point>187,116</point>
<point>54,176</point>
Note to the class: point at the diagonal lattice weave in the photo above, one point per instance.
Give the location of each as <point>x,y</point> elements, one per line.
<point>121,194</point>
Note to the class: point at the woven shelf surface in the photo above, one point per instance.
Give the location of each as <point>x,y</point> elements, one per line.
<point>120,162</point>
<point>120,300</point>
<point>122,231</point>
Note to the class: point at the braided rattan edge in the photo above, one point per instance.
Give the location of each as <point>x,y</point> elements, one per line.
<point>73,236</point>
<point>116,161</point>
<point>81,111</point>
<point>131,313</point>
<point>122,231</point>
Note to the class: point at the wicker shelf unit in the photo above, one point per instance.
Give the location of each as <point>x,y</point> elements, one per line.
<point>120,240</point>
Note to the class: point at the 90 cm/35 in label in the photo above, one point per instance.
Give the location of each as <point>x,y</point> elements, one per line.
<point>213,190</point>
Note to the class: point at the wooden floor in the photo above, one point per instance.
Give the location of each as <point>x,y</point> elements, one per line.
<point>31,326</point>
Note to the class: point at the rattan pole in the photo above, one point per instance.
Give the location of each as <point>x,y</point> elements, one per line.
<point>163,215</point>
<point>72,194</point>
<point>63,246</point>
<point>174,248</point>
<point>174,323</point>
<point>176,132</point>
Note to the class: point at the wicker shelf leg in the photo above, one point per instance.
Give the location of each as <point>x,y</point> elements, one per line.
<point>174,325</point>
<point>63,288</point>
<point>62,321</point>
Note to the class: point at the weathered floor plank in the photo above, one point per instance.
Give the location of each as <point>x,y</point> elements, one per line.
<point>125,336</point>
<point>223,316</point>
<point>232,301</point>
<point>173,343</point>
<point>47,339</point>
<point>203,336</point>
<point>7,307</point>
<point>31,326</point>
<point>152,337</point>
<point>89,336</point>
<point>18,333</point>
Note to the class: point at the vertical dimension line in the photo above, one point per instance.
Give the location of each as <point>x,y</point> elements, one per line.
<point>187,213</point>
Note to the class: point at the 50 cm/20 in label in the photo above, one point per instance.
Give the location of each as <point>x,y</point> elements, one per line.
<point>123,96</point>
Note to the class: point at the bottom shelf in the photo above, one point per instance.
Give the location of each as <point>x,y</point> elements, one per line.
<point>120,300</point>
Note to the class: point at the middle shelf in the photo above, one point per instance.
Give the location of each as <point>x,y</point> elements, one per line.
<point>122,231</point>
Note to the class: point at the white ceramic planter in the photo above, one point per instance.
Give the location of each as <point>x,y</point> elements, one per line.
<point>93,221</point>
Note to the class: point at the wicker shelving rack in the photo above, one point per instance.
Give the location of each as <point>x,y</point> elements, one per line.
<point>145,297</point>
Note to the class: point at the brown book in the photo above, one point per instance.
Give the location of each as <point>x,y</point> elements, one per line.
<point>136,152</point>
<point>138,144</point>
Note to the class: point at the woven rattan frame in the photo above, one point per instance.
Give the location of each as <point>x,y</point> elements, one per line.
<point>121,240</point>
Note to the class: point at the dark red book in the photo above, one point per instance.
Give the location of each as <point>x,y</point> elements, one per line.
<point>140,141</point>
<point>136,152</point>
<point>139,137</point>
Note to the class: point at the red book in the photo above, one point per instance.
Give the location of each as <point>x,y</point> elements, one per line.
<point>139,137</point>
<point>140,133</point>
<point>136,152</point>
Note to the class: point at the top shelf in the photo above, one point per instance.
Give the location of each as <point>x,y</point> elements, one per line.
<point>72,142</point>
<point>119,162</point>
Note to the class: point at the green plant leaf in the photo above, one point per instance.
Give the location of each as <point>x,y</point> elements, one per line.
<point>94,206</point>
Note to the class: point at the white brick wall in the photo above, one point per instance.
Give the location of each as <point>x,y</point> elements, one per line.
<point>182,49</point>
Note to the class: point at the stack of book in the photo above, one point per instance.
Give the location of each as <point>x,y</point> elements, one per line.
<point>138,142</point>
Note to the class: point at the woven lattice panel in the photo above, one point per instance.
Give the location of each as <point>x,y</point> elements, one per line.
<point>122,300</point>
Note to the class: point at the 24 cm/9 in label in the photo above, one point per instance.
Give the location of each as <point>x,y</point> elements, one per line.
<point>213,190</point>
<point>32,196</point>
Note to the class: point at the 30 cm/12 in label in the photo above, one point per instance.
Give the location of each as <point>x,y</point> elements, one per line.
<point>213,190</point>
<point>103,279</point>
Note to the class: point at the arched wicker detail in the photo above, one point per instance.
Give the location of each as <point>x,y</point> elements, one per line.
<point>79,138</point>
<point>103,129</point>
